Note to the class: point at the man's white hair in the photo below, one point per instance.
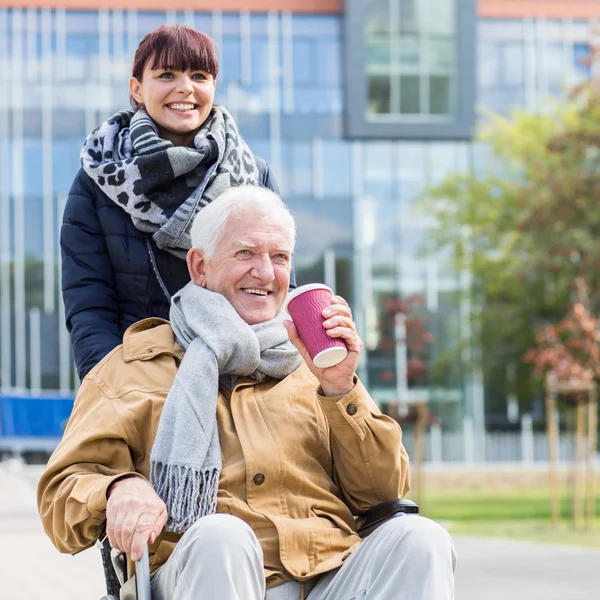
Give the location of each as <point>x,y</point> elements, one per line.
<point>209,224</point>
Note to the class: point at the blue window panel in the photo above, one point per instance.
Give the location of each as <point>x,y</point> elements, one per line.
<point>32,150</point>
<point>412,160</point>
<point>444,158</point>
<point>551,63</point>
<point>489,65</point>
<point>385,239</point>
<point>409,191</point>
<point>581,58</point>
<point>253,126</point>
<point>412,241</point>
<point>11,220</point>
<point>32,115</point>
<point>82,34</point>
<point>336,168</point>
<point>11,167</point>
<point>317,26</point>
<point>82,21</point>
<point>500,29</point>
<point>262,147</point>
<point>482,157</point>
<point>259,24</point>
<point>297,163</point>
<point>114,43</point>
<point>30,29</point>
<point>260,60</point>
<point>501,99</point>
<point>320,100</point>
<point>329,63</point>
<point>502,75</point>
<point>305,127</point>
<point>231,24</point>
<point>38,42</point>
<point>65,169</point>
<point>250,100</point>
<point>120,96</point>
<point>148,21</point>
<point>221,95</point>
<point>513,63</point>
<point>34,228</point>
<point>203,23</point>
<point>82,45</point>
<point>230,68</point>
<point>322,225</point>
<point>379,169</point>
<point>304,61</point>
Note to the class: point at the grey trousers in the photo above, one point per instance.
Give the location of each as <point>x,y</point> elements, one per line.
<point>407,558</point>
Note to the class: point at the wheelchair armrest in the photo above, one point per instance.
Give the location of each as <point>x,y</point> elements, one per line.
<point>378,515</point>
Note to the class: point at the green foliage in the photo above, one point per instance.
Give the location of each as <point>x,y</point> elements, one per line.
<point>526,226</point>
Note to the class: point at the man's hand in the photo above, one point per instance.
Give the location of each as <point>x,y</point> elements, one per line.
<point>339,379</point>
<point>135,516</point>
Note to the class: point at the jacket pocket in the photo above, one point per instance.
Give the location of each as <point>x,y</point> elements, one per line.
<point>336,520</point>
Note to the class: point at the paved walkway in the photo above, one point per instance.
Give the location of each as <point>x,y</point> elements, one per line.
<point>32,569</point>
<point>509,570</point>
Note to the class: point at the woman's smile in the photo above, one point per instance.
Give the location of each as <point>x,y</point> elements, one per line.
<point>181,107</point>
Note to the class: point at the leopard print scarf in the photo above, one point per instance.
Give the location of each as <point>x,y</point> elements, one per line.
<point>162,186</point>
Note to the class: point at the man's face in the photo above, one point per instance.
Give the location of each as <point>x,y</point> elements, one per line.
<point>251,266</point>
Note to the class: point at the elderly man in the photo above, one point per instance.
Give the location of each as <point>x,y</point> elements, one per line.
<point>240,462</point>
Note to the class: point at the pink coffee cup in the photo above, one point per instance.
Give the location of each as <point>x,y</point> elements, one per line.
<point>305,305</point>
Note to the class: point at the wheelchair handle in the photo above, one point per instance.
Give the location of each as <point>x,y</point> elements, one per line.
<point>142,576</point>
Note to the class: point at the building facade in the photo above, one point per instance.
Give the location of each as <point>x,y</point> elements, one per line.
<point>353,138</point>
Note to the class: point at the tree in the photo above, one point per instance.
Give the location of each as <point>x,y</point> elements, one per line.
<point>526,227</point>
<point>571,349</point>
<point>417,336</point>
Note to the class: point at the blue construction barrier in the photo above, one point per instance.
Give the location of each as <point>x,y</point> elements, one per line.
<point>34,417</point>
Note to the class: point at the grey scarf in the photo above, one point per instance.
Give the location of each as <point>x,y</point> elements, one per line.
<point>162,186</point>
<point>185,463</point>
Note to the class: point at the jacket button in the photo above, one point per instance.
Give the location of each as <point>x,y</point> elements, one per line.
<point>259,479</point>
<point>351,409</point>
<point>150,350</point>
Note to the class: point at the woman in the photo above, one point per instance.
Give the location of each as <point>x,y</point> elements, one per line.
<point>145,173</point>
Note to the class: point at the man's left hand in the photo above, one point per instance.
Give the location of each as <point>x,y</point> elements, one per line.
<point>339,379</point>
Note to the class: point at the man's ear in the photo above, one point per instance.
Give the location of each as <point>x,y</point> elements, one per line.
<point>197,266</point>
<point>135,89</point>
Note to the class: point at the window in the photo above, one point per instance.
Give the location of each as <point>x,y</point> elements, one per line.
<point>410,68</point>
<point>581,58</point>
<point>316,72</point>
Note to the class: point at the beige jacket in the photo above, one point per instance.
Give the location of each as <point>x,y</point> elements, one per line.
<point>296,465</point>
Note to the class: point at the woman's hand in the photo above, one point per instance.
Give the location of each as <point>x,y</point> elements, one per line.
<point>339,379</point>
<point>135,516</point>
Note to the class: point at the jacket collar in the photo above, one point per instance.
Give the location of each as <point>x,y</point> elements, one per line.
<point>149,338</point>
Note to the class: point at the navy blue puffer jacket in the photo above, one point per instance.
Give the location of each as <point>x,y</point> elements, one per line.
<point>109,280</point>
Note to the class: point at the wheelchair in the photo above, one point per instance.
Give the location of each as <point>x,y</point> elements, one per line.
<point>115,563</point>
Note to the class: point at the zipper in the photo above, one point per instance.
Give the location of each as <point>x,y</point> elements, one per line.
<point>156,271</point>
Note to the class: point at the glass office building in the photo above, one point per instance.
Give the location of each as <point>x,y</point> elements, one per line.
<point>284,77</point>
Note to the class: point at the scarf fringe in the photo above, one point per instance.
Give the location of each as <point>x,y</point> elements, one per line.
<point>187,492</point>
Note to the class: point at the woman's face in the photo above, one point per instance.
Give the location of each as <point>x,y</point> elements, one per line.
<point>177,101</point>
